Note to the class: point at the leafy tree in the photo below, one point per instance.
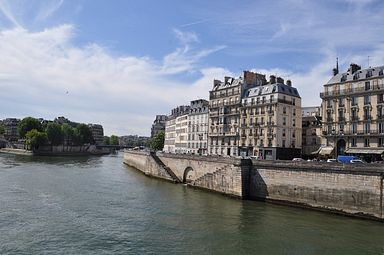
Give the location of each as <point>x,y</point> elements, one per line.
<point>35,138</point>
<point>55,133</point>
<point>2,129</point>
<point>114,140</point>
<point>68,133</point>
<point>28,124</point>
<point>157,143</point>
<point>106,140</point>
<point>83,134</point>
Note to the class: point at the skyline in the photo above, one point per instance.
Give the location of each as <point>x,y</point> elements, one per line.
<point>120,65</point>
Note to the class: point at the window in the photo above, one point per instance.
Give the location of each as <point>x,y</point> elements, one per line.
<point>294,122</point>
<point>354,128</point>
<point>367,85</point>
<point>367,100</point>
<point>283,143</point>
<point>366,142</point>
<point>269,142</point>
<point>380,127</point>
<point>284,110</point>
<point>341,102</point>
<point>283,132</point>
<point>353,142</point>
<point>284,121</point>
<point>367,127</point>
<point>293,101</point>
<point>354,101</point>
<point>380,142</point>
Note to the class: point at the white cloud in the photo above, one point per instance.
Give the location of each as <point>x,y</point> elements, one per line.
<point>43,75</point>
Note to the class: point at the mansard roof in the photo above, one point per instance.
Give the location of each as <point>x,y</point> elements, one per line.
<point>272,89</point>
<point>357,75</point>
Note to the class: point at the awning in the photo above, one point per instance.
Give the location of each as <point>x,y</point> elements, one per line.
<point>324,151</point>
<point>365,150</point>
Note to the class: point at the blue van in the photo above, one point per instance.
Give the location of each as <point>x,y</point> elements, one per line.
<point>346,159</point>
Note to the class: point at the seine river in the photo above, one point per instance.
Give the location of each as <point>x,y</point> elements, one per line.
<point>97,205</point>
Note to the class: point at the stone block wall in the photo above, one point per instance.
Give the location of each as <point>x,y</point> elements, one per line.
<point>346,189</point>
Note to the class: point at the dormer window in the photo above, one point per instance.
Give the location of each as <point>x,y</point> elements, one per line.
<point>369,74</point>
<point>343,78</point>
<point>356,76</point>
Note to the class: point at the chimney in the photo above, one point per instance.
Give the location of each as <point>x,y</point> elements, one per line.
<point>335,71</point>
<point>289,83</point>
<point>280,80</point>
<point>272,79</point>
<point>354,68</point>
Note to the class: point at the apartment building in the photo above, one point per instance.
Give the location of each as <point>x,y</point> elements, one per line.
<point>198,127</point>
<point>353,112</point>
<point>311,131</point>
<point>10,129</point>
<point>97,133</point>
<point>270,121</point>
<point>176,130</point>
<point>158,125</point>
<point>224,112</point>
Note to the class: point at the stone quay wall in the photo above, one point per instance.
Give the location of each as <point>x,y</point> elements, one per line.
<point>346,189</point>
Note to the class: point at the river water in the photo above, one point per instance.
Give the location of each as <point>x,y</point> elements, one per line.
<point>97,205</point>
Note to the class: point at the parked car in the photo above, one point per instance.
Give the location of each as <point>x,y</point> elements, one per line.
<point>298,159</point>
<point>346,159</point>
<point>357,161</point>
<point>332,160</point>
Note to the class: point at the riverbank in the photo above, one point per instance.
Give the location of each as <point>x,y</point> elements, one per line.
<point>16,151</point>
<point>344,189</point>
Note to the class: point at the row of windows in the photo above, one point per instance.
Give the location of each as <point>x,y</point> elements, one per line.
<point>367,142</point>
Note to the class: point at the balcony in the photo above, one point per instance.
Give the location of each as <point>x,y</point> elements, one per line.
<point>354,118</point>
<point>341,119</point>
<point>329,119</point>
<point>367,117</point>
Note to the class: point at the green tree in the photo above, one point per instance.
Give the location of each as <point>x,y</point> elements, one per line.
<point>83,134</point>
<point>106,140</point>
<point>68,133</point>
<point>2,129</point>
<point>55,133</point>
<point>157,143</point>
<point>35,138</point>
<point>27,124</point>
<point>114,140</point>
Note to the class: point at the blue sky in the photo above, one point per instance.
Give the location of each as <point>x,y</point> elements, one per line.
<point>121,62</point>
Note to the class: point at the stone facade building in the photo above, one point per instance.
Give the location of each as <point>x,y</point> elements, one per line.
<point>97,133</point>
<point>311,131</point>
<point>270,121</point>
<point>176,130</point>
<point>158,125</point>
<point>224,112</point>
<point>353,112</point>
<point>10,129</point>
<point>198,127</point>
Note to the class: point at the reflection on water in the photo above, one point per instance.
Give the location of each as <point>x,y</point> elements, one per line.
<point>97,205</point>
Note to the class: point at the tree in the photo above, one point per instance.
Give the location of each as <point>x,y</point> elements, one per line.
<point>106,140</point>
<point>114,140</point>
<point>83,134</point>
<point>2,129</point>
<point>27,124</point>
<point>35,138</point>
<point>55,133</point>
<point>157,143</point>
<point>68,133</point>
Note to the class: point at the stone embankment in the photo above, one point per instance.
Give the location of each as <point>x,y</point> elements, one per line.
<point>346,189</point>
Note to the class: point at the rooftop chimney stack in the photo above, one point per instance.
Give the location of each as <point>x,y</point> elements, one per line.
<point>272,79</point>
<point>280,80</point>
<point>289,83</point>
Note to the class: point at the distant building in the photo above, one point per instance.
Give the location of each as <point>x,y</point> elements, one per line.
<point>158,125</point>
<point>311,131</point>
<point>176,130</point>
<point>133,140</point>
<point>353,112</point>
<point>224,112</point>
<point>271,121</point>
<point>10,128</point>
<point>63,120</point>
<point>97,133</point>
<point>198,127</point>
